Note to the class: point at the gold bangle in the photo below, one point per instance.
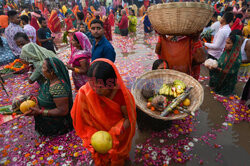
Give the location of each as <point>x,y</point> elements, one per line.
<point>45,112</point>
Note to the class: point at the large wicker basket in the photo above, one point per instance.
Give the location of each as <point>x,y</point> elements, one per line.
<point>180,18</point>
<point>167,76</point>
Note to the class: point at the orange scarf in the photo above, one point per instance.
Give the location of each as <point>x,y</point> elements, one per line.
<point>54,22</point>
<point>89,116</point>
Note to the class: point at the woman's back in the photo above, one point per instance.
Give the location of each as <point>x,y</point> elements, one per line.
<point>6,55</point>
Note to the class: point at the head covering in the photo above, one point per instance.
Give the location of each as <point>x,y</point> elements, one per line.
<point>89,116</point>
<point>35,54</point>
<point>246,30</point>
<point>86,48</point>
<point>237,25</point>
<point>62,74</point>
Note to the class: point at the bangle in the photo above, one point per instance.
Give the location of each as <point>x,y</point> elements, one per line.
<point>76,70</point>
<point>45,112</point>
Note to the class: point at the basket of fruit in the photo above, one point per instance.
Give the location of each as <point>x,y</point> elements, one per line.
<point>180,18</point>
<point>167,94</point>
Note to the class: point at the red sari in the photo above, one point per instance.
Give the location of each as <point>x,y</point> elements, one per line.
<point>107,28</point>
<point>92,113</point>
<point>111,18</point>
<point>54,23</point>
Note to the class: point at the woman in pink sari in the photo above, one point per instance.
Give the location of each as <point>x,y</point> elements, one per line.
<point>79,59</point>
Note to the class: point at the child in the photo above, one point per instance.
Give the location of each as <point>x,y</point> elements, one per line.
<point>83,29</point>
<point>160,64</point>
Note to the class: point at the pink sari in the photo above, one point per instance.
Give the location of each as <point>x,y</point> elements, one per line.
<point>79,55</point>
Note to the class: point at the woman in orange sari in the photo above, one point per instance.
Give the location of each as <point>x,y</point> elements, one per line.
<point>54,23</point>
<point>104,103</point>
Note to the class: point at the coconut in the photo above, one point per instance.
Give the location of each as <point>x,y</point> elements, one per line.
<point>148,90</point>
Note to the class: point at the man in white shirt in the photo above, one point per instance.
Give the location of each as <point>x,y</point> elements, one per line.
<point>216,25</point>
<point>29,30</point>
<point>216,48</point>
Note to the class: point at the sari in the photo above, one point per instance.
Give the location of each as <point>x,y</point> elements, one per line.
<point>224,82</point>
<point>237,25</point>
<point>76,10</point>
<point>178,54</point>
<point>35,54</point>
<point>88,21</point>
<point>78,55</point>
<point>92,113</point>
<point>54,23</point>
<point>48,126</point>
<point>111,18</point>
<point>246,30</point>
<point>107,28</point>
<point>132,23</point>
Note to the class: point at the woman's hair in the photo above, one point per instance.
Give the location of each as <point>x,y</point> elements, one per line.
<point>239,15</point>
<point>157,63</point>
<point>133,12</point>
<point>232,38</point>
<point>66,14</point>
<point>1,40</point>
<point>49,66</point>
<point>236,32</point>
<point>80,15</point>
<point>75,38</point>
<point>103,71</point>
<point>41,19</point>
<point>21,35</point>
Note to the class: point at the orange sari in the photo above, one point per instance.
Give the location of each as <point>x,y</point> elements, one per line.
<point>92,113</point>
<point>54,23</point>
<point>76,10</point>
<point>177,54</point>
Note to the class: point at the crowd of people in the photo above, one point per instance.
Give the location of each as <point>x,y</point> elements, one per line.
<point>103,102</point>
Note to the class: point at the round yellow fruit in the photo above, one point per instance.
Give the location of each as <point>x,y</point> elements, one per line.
<point>186,102</point>
<point>101,141</point>
<point>26,105</point>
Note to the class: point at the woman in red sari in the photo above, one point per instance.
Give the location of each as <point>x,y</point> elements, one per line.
<point>107,28</point>
<point>104,103</point>
<point>111,18</point>
<point>54,23</point>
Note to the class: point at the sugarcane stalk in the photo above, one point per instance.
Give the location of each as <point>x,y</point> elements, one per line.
<point>176,102</point>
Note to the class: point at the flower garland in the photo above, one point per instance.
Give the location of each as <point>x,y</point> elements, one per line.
<point>13,64</point>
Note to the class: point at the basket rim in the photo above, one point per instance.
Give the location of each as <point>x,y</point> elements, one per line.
<point>166,72</point>
<point>181,5</point>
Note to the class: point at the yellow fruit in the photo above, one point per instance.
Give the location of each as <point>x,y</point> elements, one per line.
<point>186,102</point>
<point>101,141</point>
<point>26,105</point>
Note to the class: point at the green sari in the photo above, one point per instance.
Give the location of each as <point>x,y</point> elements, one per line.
<point>224,81</point>
<point>117,30</point>
<point>35,54</point>
<point>132,23</point>
<point>55,125</point>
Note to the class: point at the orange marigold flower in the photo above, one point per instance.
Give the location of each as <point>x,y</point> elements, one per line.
<point>51,162</point>
<point>55,151</point>
<point>7,146</point>
<point>15,149</point>
<point>27,155</point>
<point>46,155</point>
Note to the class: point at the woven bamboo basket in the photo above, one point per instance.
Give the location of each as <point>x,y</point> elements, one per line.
<point>159,77</point>
<point>180,18</point>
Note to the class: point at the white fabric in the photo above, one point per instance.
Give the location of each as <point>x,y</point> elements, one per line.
<point>216,48</point>
<point>243,52</point>
<point>215,26</point>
